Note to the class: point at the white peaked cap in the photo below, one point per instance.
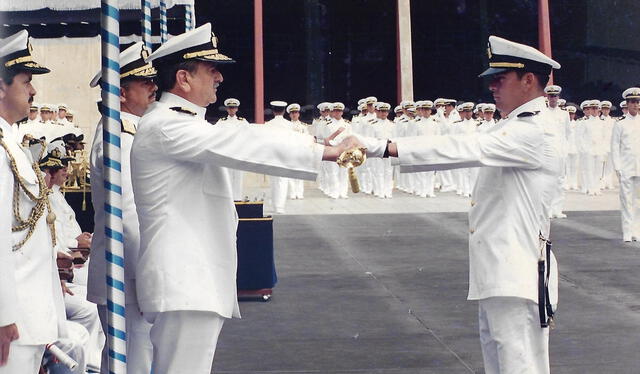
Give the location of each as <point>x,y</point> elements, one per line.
<point>197,44</point>
<point>505,55</point>
<point>231,102</point>
<point>293,108</point>
<point>132,64</point>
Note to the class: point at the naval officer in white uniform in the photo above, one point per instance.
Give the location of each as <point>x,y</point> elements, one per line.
<point>137,92</point>
<point>186,273</point>
<point>625,153</point>
<point>519,170</point>
<point>232,119</point>
<point>31,305</point>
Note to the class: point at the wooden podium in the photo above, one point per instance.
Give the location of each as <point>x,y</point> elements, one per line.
<point>256,263</point>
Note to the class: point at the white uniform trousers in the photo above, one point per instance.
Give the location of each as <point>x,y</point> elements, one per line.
<point>607,180</point>
<point>419,184</point>
<point>630,207</point>
<point>377,171</point>
<point>447,180</point>
<point>587,164</point>
<point>296,188</point>
<point>184,342</point>
<point>511,337</point>
<point>388,177</point>
<point>139,348</point>
<point>598,168</point>
<point>557,199</point>
<point>571,179</point>
<point>279,187</point>
<point>237,177</point>
<point>23,359</point>
<point>331,185</point>
<point>366,179</point>
<point>343,182</point>
<point>85,313</point>
<point>429,183</point>
<point>472,177</point>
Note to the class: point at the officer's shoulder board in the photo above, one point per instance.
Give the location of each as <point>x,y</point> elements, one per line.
<point>527,114</point>
<point>372,120</point>
<point>241,119</point>
<point>1,134</point>
<point>621,118</point>
<point>22,121</point>
<point>128,127</point>
<point>347,121</point>
<point>183,110</point>
<point>224,118</point>
<point>458,121</point>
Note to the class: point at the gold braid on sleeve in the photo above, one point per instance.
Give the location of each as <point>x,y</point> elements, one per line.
<point>41,201</point>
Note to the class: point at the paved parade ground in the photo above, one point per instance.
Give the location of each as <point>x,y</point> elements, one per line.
<point>386,293</point>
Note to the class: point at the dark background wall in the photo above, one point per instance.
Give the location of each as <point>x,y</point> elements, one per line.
<point>343,50</point>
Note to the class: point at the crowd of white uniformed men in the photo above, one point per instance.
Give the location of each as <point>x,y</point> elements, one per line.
<point>49,122</point>
<point>585,141</point>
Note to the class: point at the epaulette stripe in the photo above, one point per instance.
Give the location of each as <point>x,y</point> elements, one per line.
<point>182,110</point>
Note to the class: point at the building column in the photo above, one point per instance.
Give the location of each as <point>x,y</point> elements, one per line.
<point>544,30</point>
<point>258,61</point>
<point>403,48</point>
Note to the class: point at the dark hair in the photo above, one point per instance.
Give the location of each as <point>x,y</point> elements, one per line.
<point>542,78</point>
<point>7,75</point>
<point>166,78</point>
<point>278,111</point>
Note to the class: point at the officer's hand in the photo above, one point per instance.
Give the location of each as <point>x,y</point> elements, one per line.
<point>328,139</point>
<point>8,334</point>
<point>350,142</point>
<point>65,289</point>
<point>84,240</point>
<point>331,153</point>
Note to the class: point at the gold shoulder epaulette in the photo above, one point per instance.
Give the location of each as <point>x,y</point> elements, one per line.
<point>128,127</point>
<point>183,110</point>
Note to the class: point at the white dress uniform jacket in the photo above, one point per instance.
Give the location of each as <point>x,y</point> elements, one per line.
<point>511,198</point>
<point>67,228</point>
<point>30,293</point>
<point>625,146</point>
<point>96,285</point>
<point>183,197</point>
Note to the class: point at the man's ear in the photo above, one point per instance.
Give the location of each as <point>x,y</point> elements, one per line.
<point>3,89</point>
<point>123,95</point>
<point>182,80</point>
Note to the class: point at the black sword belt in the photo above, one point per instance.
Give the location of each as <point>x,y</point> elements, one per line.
<point>544,303</point>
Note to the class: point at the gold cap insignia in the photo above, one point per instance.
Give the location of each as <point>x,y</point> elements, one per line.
<point>144,53</point>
